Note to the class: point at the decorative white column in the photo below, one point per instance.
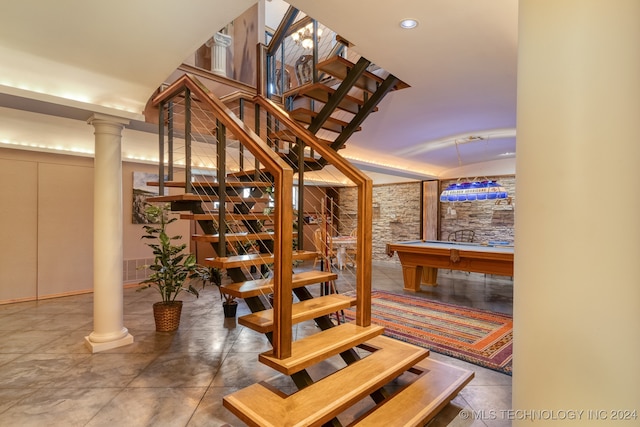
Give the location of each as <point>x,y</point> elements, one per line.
<point>219,44</point>
<point>577,248</point>
<point>108,324</point>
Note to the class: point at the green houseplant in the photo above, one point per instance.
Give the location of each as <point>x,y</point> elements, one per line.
<point>229,303</point>
<point>172,270</point>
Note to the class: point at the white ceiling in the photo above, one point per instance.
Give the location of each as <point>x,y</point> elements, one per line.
<point>460,62</point>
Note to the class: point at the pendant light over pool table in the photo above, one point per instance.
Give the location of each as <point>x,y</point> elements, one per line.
<point>469,191</point>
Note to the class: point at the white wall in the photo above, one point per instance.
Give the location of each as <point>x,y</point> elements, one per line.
<point>576,294</point>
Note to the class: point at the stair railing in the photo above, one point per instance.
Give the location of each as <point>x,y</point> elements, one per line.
<point>364,204</point>
<point>283,185</point>
<point>314,210</point>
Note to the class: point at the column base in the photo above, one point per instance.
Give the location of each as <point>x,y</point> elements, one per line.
<point>97,347</point>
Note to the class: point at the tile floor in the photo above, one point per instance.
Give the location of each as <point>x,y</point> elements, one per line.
<point>49,378</point>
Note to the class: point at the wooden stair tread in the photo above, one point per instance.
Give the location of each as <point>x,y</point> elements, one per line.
<point>228,216</point>
<point>252,288</point>
<point>339,67</point>
<point>307,159</point>
<point>250,260</point>
<point>436,385</point>
<point>250,172</point>
<point>262,321</point>
<point>261,405</point>
<point>305,115</point>
<point>320,346</point>
<point>321,92</point>
<point>289,136</point>
<point>235,237</point>
<point>190,197</point>
<point>211,184</point>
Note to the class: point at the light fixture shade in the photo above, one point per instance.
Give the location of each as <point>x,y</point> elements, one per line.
<point>472,191</point>
<point>408,23</point>
<point>307,43</point>
<point>304,36</point>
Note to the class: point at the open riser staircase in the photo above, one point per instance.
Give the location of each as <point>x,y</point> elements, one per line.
<point>230,165</point>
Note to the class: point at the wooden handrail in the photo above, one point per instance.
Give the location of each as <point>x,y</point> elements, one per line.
<point>365,210</point>
<point>339,162</point>
<point>216,78</point>
<point>283,219</point>
<point>283,30</point>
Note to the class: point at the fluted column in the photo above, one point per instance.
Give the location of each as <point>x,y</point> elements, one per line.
<point>108,324</point>
<point>577,254</point>
<point>219,44</point>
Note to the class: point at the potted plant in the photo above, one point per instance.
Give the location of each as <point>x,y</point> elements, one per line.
<point>229,304</point>
<point>171,271</point>
<point>214,276</point>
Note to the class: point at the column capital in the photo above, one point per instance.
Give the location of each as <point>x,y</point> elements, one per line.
<point>219,39</point>
<point>105,118</point>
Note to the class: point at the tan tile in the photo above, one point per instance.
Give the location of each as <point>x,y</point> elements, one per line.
<point>150,407</point>
<point>37,370</point>
<point>106,370</point>
<point>66,407</point>
<point>179,370</point>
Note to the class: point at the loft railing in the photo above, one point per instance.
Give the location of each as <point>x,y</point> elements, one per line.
<point>288,64</point>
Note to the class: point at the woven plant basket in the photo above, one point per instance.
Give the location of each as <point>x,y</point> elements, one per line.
<point>167,315</point>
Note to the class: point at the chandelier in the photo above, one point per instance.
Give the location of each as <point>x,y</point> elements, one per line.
<point>304,36</point>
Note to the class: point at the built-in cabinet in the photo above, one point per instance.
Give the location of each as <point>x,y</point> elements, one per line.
<point>46,220</point>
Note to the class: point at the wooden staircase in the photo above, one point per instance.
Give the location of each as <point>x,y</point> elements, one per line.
<point>401,384</point>
<point>412,405</point>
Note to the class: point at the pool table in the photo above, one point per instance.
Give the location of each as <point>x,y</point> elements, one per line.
<point>421,260</point>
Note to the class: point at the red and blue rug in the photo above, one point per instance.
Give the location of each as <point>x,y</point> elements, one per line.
<point>481,337</point>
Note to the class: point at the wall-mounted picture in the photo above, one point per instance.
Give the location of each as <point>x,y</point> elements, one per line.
<point>141,192</point>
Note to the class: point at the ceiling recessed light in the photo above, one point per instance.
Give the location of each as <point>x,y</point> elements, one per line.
<point>408,23</point>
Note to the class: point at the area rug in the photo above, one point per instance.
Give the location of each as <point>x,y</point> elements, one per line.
<point>480,337</point>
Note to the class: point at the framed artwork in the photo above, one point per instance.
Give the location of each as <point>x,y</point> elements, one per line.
<point>141,192</point>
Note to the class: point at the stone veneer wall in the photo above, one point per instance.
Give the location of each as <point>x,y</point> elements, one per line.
<point>490,221</point>
<point>396,215</point>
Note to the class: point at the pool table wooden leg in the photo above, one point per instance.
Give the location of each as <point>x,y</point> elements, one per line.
<point>429,276</point>
<point>411,275</point>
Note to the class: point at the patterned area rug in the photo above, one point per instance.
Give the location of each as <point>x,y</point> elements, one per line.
<point>480,337</point>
